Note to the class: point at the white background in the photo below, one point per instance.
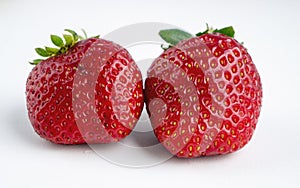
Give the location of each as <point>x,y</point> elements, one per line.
<point>270,31</point>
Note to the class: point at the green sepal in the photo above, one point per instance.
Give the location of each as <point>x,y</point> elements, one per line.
<point>81,37</point>
<point>84,34</point>
<point>36,61</point>
<point>229,31</point>
<point>74,34</point>
<point>68,39</point>
<point>51,50</point>
<point>204,32</point>
<point>173,36</point>
<point>42,52</point>
<point>96,37</point>
<point>57,41</point>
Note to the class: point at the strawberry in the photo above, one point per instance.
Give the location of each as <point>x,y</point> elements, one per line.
<point>203,94</point>
<point>88,90</point>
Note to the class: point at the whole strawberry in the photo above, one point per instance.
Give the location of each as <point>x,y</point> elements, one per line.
<point>203,94</point>
<point>88,90</point>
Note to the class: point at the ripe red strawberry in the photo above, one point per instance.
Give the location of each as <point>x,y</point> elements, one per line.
<point>87,91</point>
<point>203,94</point>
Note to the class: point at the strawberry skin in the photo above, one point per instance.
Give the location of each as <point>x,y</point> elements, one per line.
<point>92,93</point>
<point>203,96</point>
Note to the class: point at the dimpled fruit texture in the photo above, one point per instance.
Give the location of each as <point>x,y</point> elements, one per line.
<point>203,96</point>
<point>90,94</point>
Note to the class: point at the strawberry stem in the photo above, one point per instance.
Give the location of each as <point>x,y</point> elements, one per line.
<point>62,45</point>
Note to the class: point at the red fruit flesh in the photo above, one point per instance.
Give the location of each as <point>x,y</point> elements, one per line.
<point>90,94</point>
<point>203,96</point>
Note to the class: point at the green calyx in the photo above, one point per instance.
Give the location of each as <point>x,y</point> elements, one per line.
<point>173,36</point>
<point>62,45</point>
